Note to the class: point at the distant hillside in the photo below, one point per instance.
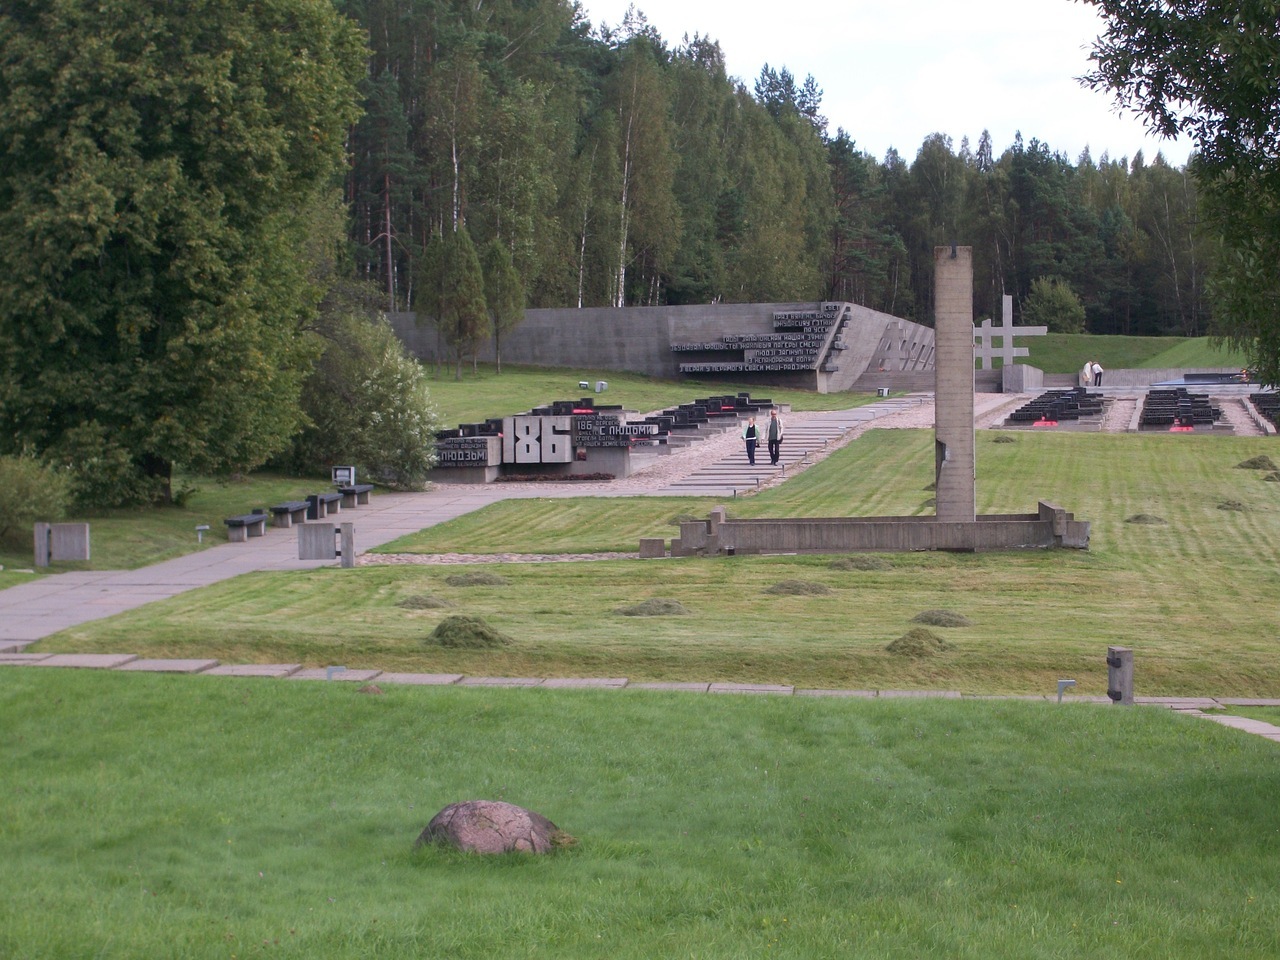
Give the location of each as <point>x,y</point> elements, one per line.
<point>1067,352</point>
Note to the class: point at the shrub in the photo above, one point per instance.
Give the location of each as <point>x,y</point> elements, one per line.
<point>100,472</point>
<point>30,491</point>
<point>368,405</point>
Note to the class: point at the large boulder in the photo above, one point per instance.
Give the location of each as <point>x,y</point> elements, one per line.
<point>491,826</point>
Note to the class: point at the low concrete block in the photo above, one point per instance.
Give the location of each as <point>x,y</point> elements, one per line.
<point>421,679</point>
<point>327,673</point>
<point>499,682</point>
<point>88,661</point>
<point>579,683</point>
<point>274,670</point>
<point>775,688</point>
<point>168,666</point>
<point>316,541</point>
<point>652,548</point>
<point>680,687</point>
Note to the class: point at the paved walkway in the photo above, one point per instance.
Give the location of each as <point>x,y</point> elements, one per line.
<point>47,605</point>
<point>804,440</point>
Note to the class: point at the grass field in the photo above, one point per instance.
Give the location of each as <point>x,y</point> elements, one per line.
<point>1193,595</point>
<point>1067,352</point>
<point>210,818</point>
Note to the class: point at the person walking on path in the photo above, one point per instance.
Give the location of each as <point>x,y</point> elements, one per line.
<point>774,436</point>
<point>1096,369</point>
<point>751,435</point>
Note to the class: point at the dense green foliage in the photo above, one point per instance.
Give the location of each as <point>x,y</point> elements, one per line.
<point>1209,70</point>
<point>620,169</point>
<point>30,491</point>
<point>367,405</point>
<point>1053,304</point>
<point>159,171</point>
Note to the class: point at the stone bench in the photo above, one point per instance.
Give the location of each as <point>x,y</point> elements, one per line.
<point>288,513</point>
<point>241,528</point>
<point>355,494</point>
<point>320,505</point>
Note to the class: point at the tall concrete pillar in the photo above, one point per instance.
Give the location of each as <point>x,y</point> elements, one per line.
<point>954,440</point>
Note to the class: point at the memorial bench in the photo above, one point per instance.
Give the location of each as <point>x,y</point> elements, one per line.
<point>320,505</point>
<point>355,494</point>
<point>288,513</point>
<point>241,528</point>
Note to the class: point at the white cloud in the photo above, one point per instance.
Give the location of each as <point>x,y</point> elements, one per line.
<point>893,73</point>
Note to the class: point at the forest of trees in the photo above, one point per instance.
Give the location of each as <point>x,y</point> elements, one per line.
<point>618,169</point>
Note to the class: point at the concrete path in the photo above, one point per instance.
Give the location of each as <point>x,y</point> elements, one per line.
<point>802,440</point>
<point>1202,707</point>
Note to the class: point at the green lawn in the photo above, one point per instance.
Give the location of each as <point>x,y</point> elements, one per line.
<point>484,394</point>
<point>1067,352</point>
<point>1193,596</point>
<point>151,816</point>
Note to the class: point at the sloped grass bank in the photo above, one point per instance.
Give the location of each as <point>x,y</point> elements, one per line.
<point>210,817</point>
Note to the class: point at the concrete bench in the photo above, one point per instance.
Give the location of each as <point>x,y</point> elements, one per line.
<point>320,505</point>
<point>355,494</point>
<point>241,528</point>
<point>288,513</point>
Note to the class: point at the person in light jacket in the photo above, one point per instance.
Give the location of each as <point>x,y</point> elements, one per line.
<point>1096,369</point>
<point>751,435</point>
<point>773,434</point>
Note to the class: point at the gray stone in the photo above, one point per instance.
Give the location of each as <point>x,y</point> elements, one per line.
<point>652,548</point>
<point>492,826</point>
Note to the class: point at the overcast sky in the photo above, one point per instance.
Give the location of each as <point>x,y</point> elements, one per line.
<point>894,72</point>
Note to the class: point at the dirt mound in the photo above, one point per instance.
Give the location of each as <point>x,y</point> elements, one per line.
<point>860,563</point>
<point>942,618</point>
<point>654,607</point>
<point>423,601</point>
<point>1231,505</point>
<point>1148,519</point>
<point>918,643</point>
<point>480,578</point>
<point>467,633</point>
<point>1258,463</point>
<point>799,588</point>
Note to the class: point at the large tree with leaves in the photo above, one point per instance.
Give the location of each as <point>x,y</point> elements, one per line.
<point>159,165</point>
<point>1208,69</point>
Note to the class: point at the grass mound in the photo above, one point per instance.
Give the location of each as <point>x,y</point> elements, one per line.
<point>1273,477</point>
<point>919,643</point>
<point>1148,519</point>
<point>799,588</point>
<point>860,563</point>
<point>1258,463</point>
<point>680,518</point>
<point>461,632</point>
<point>1231,505</point>
<point>423,601</point>
<point>1005,438</point>
<point>479,578</point>
<point>942,618</point>
<point>654,607</point>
